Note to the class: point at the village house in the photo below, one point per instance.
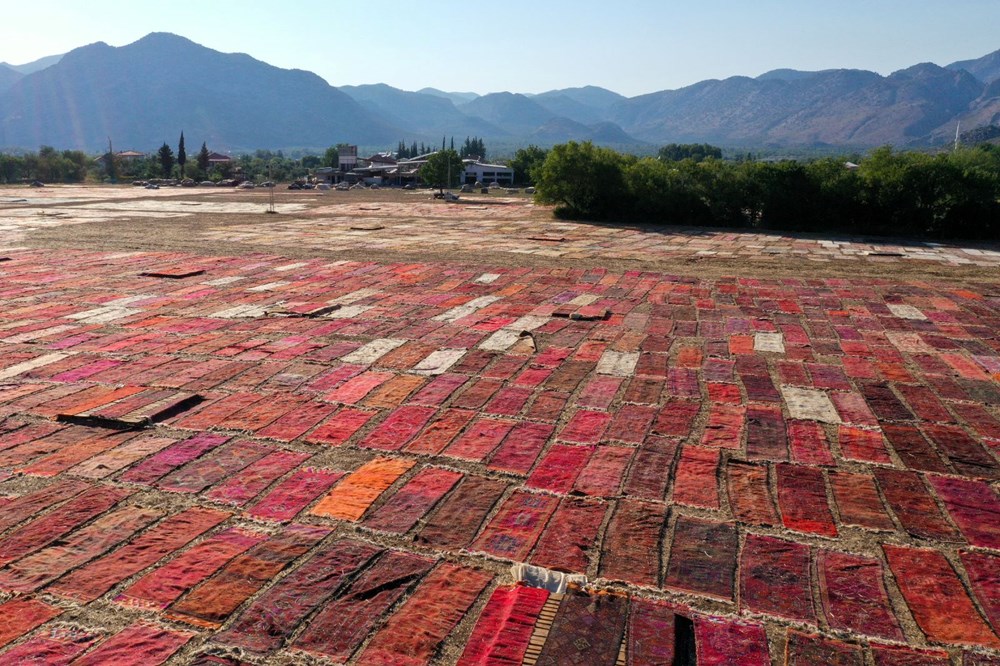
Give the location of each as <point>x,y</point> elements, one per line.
<point>218,158</point>
<point>385,170</point>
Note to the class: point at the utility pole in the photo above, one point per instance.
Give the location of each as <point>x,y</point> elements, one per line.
<point>111,164</point>
<point>270,190</point>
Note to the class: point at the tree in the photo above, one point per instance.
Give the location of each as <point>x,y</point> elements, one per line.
<point>658,193</point>
<point>166,157</point>
<point>526,161</point>
<point>12,168</point>
<point>439,167</point>
<point>474,147</point>
<point>182,156</point>
<point>675,152</point>
<point>331,157</point>
<point>583,180</point>
<point>203,162</point>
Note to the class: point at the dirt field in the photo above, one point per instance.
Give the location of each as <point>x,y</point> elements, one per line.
<point>330,435</point>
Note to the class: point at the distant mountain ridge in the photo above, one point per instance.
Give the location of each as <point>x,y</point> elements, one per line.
<point>145,93</point>
<point>8,77</point>
<point>34,65</point>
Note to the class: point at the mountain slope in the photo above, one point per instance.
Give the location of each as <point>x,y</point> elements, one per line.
<point>986,69</point>
<point>842,107</point>
<point>515,113</point>
<point>419,114</point>
<point>456,97</point>
<point>8,77</point>
<point>35,65</point>
<point>593,97</point>
<point>147,92</point>
<point>559,130</point>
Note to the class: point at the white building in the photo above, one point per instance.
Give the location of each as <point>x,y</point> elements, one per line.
<point>487,174</point>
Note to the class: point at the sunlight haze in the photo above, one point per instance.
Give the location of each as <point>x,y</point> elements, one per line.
<point>632,48</point>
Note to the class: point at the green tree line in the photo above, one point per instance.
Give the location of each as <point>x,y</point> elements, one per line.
<point>47,165</point>
<point>73,166</point>
<point>954,194</point>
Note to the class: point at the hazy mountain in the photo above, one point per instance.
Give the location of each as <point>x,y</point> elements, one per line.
<point>608,132</point>
<point>146,93</point>
<point>516,113</point>
<point>420,114</point>
<point>790,74</point>
<point>986,69</point>
<point>456,97</point>
<point>149,91</point>
<point>586,105</point>
<point>560,130</point>
<point>839,107</point>
<point>8,77</point>
<point>564,106</point>
<point>35,65</point>
<point>594,97</point>
<point>982,112</point>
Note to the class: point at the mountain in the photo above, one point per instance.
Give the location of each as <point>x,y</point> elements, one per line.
<point>586,105</point>
<point>560,130</point>
<point>986,69</point>
<point>35,65</point>
<point>834,107</point>
<point>420,115</point>
<point>516,113</point>
<point>147,92</point>
<point>982,112</point>
<point>456,97</point>
<point>789,75</point>
<point>593,97</point>
<point>8,77</point>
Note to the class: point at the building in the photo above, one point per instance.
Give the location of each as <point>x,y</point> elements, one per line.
<point>347,158</point>
<point>384,169</point>
<point>487,174</point>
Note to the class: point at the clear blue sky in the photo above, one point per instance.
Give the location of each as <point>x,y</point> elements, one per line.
<point>630,46</point>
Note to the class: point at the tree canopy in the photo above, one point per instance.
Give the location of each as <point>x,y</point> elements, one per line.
<point>435,172</point>
<point>181,154</point>
<point>203,156</point>
<point>953,194</point>
<point>166,157</point>
<point>583,180</point>
<point>675,152</point>
<point>526,162</point>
